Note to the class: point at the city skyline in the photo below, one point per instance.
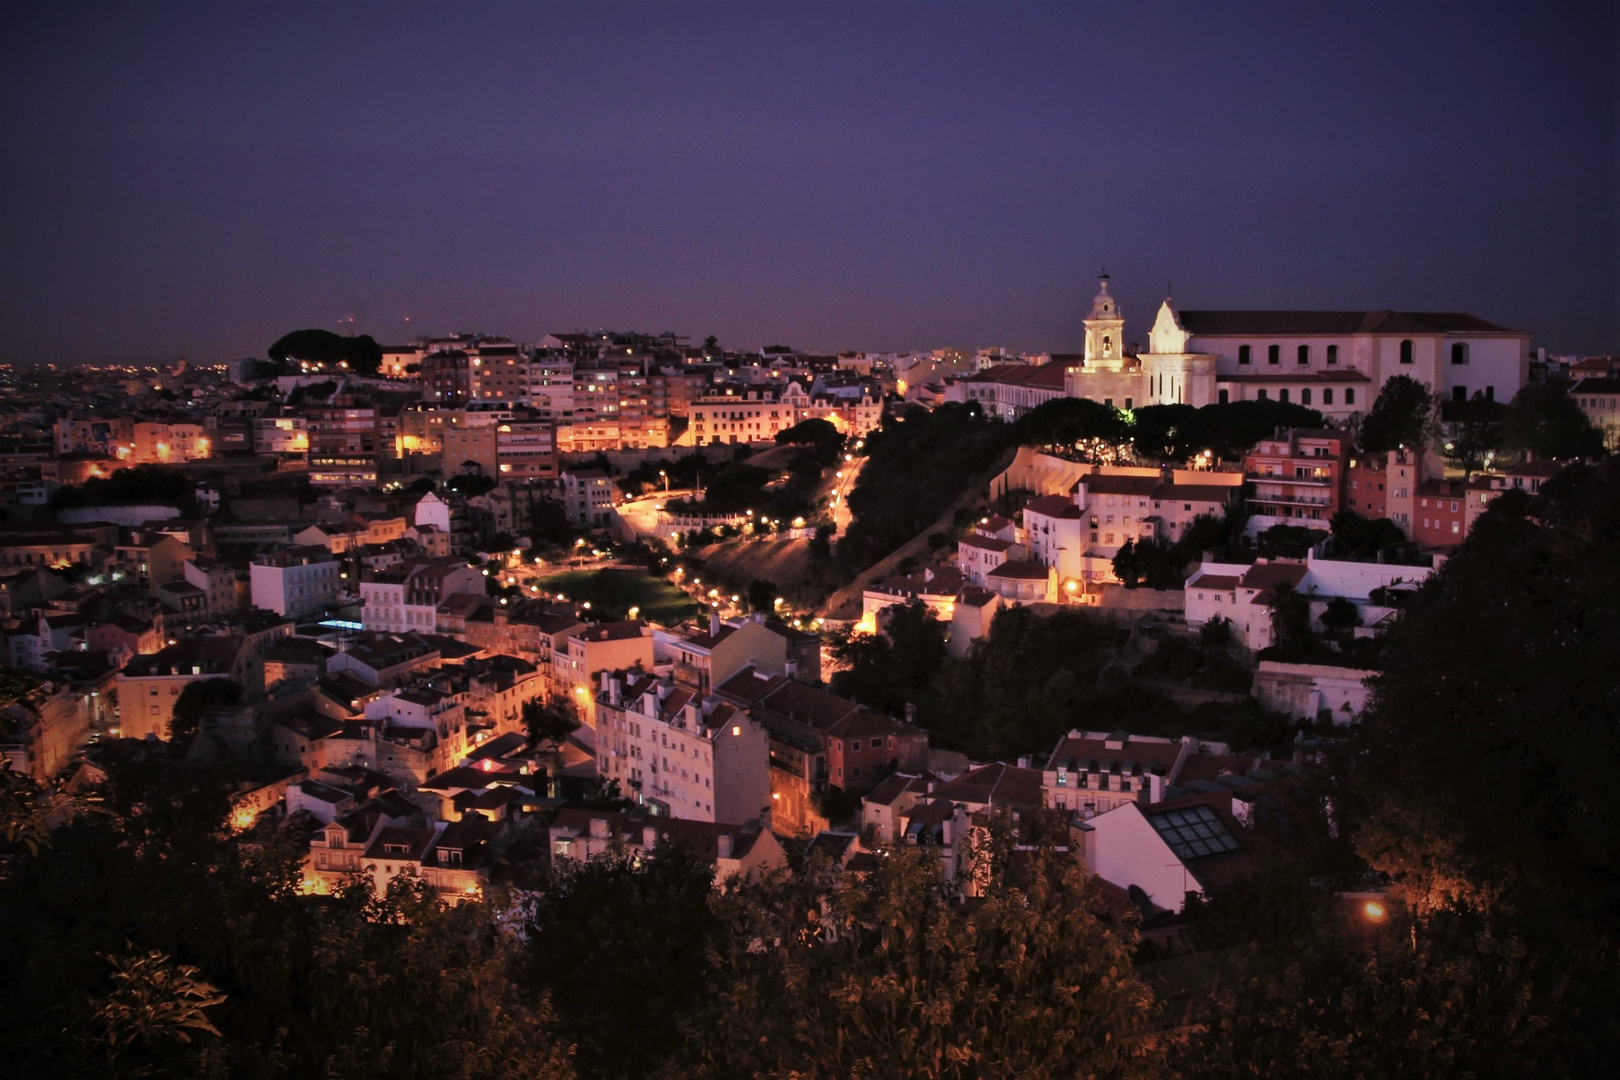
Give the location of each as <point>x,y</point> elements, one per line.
<point>198,181</point>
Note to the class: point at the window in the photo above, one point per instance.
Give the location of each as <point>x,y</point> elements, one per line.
<point>1459,353</point>
<point>1282,395</point>
<point>1490,393</point>
<point>1406,351</point>
<point>1243,354</point>
<point>1305,397</point>
<point>1273,354</point>
<point>1333,354</point>
<point>1349,395</point>
<point>1304,354</point>
<point>1260,393</point>
<point>855,745</point>
<point>1223,397</point>
<point>1327,396</point>
<point>1459,393</point>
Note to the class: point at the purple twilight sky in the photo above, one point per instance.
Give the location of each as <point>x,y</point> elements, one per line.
<point>198,179</point>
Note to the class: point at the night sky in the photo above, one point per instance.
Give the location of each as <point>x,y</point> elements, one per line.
<point>197,180</point>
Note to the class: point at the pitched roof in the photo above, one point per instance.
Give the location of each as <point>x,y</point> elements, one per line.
<point>996,784</point>
<point>1020,570</point>
<point>1310,323</point>
<point>985,543</point>
<point>1085,752</point>
<point>1057,506</point>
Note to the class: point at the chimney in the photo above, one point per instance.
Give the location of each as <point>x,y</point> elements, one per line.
<point>714,621</point>
<point>911,712</point>
<point>649,837</point>
<point>759,617</point>
<point>722,845</point>
<point>615,688</point>
<point>791,668</point>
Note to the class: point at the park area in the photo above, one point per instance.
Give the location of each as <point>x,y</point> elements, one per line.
<point>612,593</point>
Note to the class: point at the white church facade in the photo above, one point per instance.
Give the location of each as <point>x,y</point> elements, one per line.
<point>1331,361</point>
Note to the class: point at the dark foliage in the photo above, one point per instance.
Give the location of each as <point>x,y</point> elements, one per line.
<point>916,468</point>
<point>199,699</point>
<point>158,484</point>
<point>1547,423</point>
<point>1403,414</point>
<point>622,948</point>
<point>364,356</point>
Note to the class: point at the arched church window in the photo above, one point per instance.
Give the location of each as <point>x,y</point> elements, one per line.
<point>1327,396</point>
<point>1243,354</point>
<point>1223,397</point>
<point>1406,351</point>
<point>1305,397</point>
<point>1282,395</point>
<point>1304,354</point>
<point>1273,354</point>
<point>1333,354</point>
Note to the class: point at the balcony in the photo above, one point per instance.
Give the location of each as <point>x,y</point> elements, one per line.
<point>1277,478</point>
<point>1292,500</point>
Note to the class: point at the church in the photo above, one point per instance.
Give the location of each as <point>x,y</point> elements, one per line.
<point>1331,361</point>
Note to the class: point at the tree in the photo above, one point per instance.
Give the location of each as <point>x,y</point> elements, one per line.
<point>1478,434</point>
<point>1128,565</point>
<point>1356,537</point>
<point>362,354</point>
<point>1404,414</point>
<point>1090,425</point>
<point>622,946</point>
<point>1287,541</point>
<point>1290,619</point>
<point>711,345</point>
<point>811,432</point>
<point>198,700</point>
<point>1547,423</point>
<point>1503,660</point>
<point>821,544</point>
<point>155,1012</point>
<point>1215,633</point>
<point>1340,617</point>
<point>762,595</point>
<point>551,722</point>
<point>884,974</point>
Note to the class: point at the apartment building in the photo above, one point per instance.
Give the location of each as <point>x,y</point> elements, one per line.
<point>1298,477</point>
<point>406,598</point>
<point>295,581</point>
<point>678,753</point>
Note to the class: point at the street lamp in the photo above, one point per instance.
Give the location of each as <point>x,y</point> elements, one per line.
<point>665,475</point>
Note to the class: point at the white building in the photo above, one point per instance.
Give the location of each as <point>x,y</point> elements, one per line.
<point>1332,361</point>
<point>1242,594</point>
<point>295,581</point>
<point>406,598</point>
<point>678,754</point>
<point>587,498</point>
<point>1161,850</point>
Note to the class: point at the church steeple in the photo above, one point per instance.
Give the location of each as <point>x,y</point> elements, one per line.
<point>1105,328</point>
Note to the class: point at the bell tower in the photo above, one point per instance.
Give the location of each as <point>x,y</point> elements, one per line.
<point>1105,330</point>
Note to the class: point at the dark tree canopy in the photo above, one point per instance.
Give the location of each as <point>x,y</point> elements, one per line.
<point>1547,423</point>
<point>199,699</point>
<point>1070,421</point>
<point>1501,676</point>
<point>811,432</point>
<point>363,355</point>
<point>1403,414</point>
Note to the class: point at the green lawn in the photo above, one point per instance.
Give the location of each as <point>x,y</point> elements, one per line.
<point>612,593</point>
